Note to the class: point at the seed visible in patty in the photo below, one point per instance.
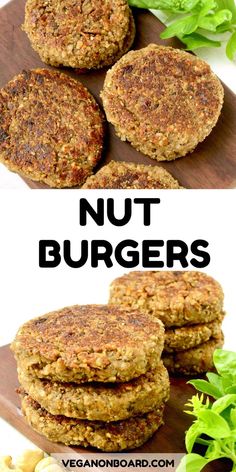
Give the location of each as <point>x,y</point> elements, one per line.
<point>128,175</point>
<point>84,34</point>
<point>176,298</point>
<point>99,401</point>
<point>164,101</point>
<point>89,343</point>
<point>110,437</point>
<point>51,128</point>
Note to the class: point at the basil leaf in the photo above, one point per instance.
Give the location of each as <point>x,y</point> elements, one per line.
<point>222,403</point>
<point>205,387</point>
<point>195,41</point>
<point>152,4</point>
<point>233,417</point>
<point>176,6</point>
<point>215,380</point>
<point>183,26</point>
<point>191,436</point>
<point>231,389</point>
<point>231,46</point>
<point>229,5</point>
<point>211,22</point>
<point>213,424</point>
<point>225,361</point>
<point>206,7</point>
<point>192,463</point>
<point>226,383</point>
<point>213,451</point>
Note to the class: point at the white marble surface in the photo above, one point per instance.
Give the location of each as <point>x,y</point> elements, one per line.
<point>224,68</point>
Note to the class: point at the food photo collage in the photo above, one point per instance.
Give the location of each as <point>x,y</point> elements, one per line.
<point>117,242</point>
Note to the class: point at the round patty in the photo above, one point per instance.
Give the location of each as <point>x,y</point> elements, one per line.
<point>193,361</point>
<point>51,128</point>
<point>177,298</point>
<point>110,437</point>
<point>99,402</point>
<point>89,343</point>
<point>180,339</point>
<point>84,34</point>
<point>127,175</point>
<point>164,101</point>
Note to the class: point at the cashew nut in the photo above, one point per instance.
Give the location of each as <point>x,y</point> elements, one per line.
<point>44,463</point>
<point>29,459</point>
<point>6,465</point>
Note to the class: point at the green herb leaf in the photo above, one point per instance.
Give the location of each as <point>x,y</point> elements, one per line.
<point>213,424</point>
<point>207,6</point>
<point>192,463</point>
<point>205,387</point>
<point>174,6</point>
<point>231,46</point>
<point>229,5</point>
<point>233,417</point>
<point>191,436</point>
<point>225,362</point>
<point>231,389</point>
<point>222,403</point>
<point>211,22</point>
<point>215,380</point>
<point>195,41</point>
<point>195,19</point>
<point>186,25</point>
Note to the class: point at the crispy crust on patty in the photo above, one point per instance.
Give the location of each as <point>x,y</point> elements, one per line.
<point>100,402</point>
<point>89,343</point>
<point>164,101</point>
<point>85,34</point>
<point>187,337</point>
<point>193,361</point>
<point>51,128</point>
<point>177,298</point>
<point>110,437</point>
<point>128,175</point>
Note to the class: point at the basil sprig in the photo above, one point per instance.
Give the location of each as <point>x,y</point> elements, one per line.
<point>215,421</point>
<point>197,21</point>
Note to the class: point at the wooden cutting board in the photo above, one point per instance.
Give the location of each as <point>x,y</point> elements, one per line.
<point>211,165</point>
<point>169,439</point>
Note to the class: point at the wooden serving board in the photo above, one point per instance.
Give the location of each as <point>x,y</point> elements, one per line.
<point>169,439</point>
<point>211,165</point>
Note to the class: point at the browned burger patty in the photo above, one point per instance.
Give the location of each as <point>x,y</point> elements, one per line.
<point>86,34</point>
<point>164,101</point>
<point>110,437</point>
<point>128,175</point>
<point>99,401</point>
<point>193,361</point>
<point>176,298</point>
<point>51,128</point>
<point>89,343</point>
<point>187,337</point>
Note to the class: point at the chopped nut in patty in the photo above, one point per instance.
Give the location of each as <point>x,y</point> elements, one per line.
<point>110,437</point>
<point>100,401</point>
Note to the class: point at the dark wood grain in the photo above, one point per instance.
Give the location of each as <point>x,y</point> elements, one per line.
<point>169,439</point>
<point>211,165</point>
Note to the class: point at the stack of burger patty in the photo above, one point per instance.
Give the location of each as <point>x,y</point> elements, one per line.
<point>190,305</point>
<point>92,376</point>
